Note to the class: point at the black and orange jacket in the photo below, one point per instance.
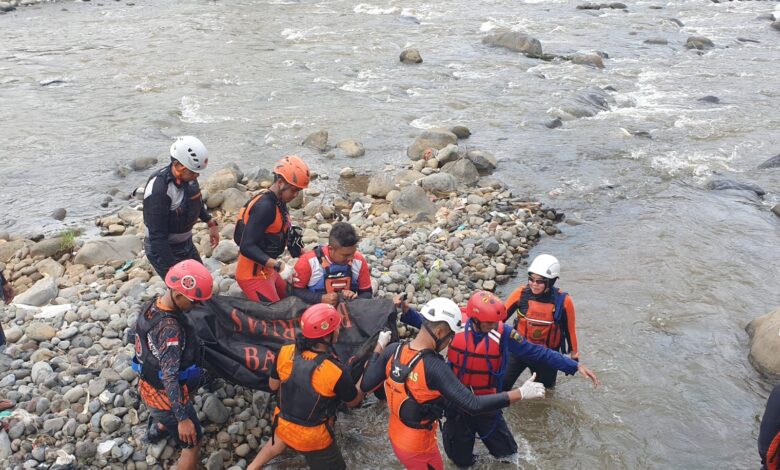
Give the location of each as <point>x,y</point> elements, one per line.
<point>264,236</point>
<point>522,302</point>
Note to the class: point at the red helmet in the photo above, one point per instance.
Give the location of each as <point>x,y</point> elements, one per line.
<point>485,306</point>
<point>293,170</point>
<point>319,320</point>
<point>191,279</point>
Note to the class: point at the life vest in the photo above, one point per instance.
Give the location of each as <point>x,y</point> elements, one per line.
<point>408,397</point>
<point>481,365</point>
<point>186,203</point>
<point>773,454</point>
<point>541,322</point>
<point>299,403</point>
<point>335,277</point>
<point>273,242</point>
<point>147,364</point>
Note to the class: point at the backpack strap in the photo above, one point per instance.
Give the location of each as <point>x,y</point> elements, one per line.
<point>560,319</point>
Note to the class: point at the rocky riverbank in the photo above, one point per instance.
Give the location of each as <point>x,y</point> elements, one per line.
<point>440,226</point>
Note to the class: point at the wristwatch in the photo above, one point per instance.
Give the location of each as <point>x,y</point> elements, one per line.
<point>278,266</point>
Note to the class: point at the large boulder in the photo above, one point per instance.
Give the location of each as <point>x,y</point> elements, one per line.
<point>49,267</point>
<point>106,250</point>
<point>130,216</point>
<point>699,43</point>
<point>351,148</point>
<point>439,183</point>
<point>432,138</point>
<point>448,154</point>
<point>484,161</point>
<point>412,200</point>
<point>515,41</point>
<point>765,343</point>
<point>591,60</point>
<point>773,162</point>
<point>407,177</point>
<point>223,179</point>
<point>233,199</point>
<point>40,294</point>
<point>48,247</point>
<point>380,184</point>
<point>317,141</point>
<point>143,163</point>
<point>723,184</point>
<point>463,170</point>
<point>411,56</point>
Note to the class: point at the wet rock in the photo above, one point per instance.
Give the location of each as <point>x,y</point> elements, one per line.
<point>413,200</point>
<point>775,210</point>
<point>441,183</point>
<point>775,25</point>
<point>589,6</point>
<point>554,124</point>
<point>143,163</point>
<point>380,184</point>
<point>675,21</point>
<point>699,43</point>
<point>351,148</point>
<point>317,141</point>
<point>461,132</point>
<point>755,41</point>
<point>764,346</point>
<point>709,99</point>
<point>6,7</point>
<point>43,292</point>
<point>515,41</point>
<point>591,60</point>
<point>773,162</point>
<point>484,161</point>
<point>657,41</point>
<point>411,56</point>
<point>59,214</point>
<point>106,250</point>
<point>430,139</point>
<point>226,251</point>
<point>215,411</point>
<point>447,154</point>
<point>463,170</point>
<point>726,184</point>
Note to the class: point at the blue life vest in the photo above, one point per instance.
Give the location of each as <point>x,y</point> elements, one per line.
<point>335,277</point>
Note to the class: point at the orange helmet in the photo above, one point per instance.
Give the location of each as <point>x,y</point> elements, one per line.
<point>293,170</point>
<point>319,320</point>
<point>485,306</point>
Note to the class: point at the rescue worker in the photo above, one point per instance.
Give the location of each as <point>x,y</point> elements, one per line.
<point>335,268</point>
<point>7,294</point>
<point>264,230</point>
<point>312,382</point>
<point>167,352</point>
<point>769,433</point>
<point>419,385</point>
<point>173,204</point>
<point>545,316</point>
<point>479,356</point>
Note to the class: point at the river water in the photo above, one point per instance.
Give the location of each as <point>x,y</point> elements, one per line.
<point>664,272</point>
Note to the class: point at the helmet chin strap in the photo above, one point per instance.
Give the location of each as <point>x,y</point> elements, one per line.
<point>439,341</point>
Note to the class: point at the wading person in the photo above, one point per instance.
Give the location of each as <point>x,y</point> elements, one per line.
<point>419,385</point>
<point>479,356</point>
<point>312,383</point>
<point>545,316</point>
<point>264,231</point>
<point>166,355</point>
<point>333,269</point>
<point>173,204</point>
<point>769,433</point>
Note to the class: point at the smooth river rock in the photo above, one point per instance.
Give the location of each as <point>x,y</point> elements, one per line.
<point>765,343</point>
<point>106,250</point>
<point>515,41</point>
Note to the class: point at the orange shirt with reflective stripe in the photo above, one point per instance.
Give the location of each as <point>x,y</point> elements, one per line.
<point>324,379</point>
<point>401,435</point>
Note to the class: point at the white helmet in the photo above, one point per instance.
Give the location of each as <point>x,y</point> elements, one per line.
<point>442,309</point>
<point>190,152</point>
<point>546,266</point>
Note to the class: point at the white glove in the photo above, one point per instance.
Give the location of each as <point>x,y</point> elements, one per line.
<point>287,273</point>
<point>530,389</point>
<point>384,338</point>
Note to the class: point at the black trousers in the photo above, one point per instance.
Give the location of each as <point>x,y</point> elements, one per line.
<point>460,431</point>
<point>329,458</point>
<point>544,374</point>
<point>181,251</point>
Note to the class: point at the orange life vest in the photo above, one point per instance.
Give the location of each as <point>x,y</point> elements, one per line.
<point>274,243</point>
<point>540,322</point>
<point>477,365</point>
<point>414,411</point>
